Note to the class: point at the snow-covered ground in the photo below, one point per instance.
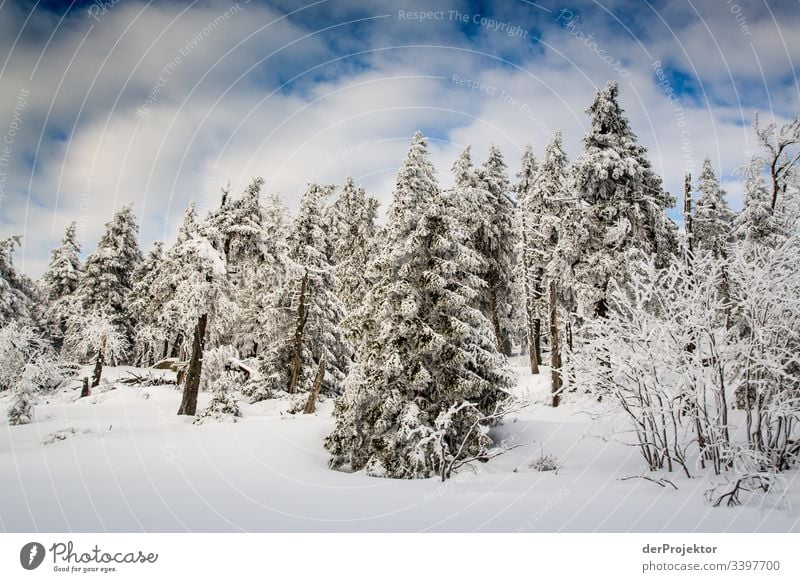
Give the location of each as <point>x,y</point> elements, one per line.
<point>122,460</point>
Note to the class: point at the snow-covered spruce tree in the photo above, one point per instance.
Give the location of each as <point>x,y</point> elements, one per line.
<point>261,289</point>
<point>309,314</point>
<point>143,303</point>
<point>755,223</point>
<point>623,206</point>
<point>223,406</point>
<point>429,380</point>
<point>548,203</point>
<point>18,295</point>
<point>495,243</point>
<point>21,410</point>
<point>527,278</point>
<point>201,307</point>
<point>59,283</point>
<point>253,238</point>
<point>713,220</point>
<point>353,239</point>
<point>108,273</point>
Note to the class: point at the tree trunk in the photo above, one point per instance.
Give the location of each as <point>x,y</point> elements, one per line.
<point>297,342</point>
<point>311,404</point>
<point>85,389</point>
<point>98,365</point>
<point>192,385</point>
<point>555,353</point>
<point>495,314</point>
<point>687,217</point>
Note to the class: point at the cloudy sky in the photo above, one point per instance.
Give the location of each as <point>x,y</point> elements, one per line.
<point>156,103</point>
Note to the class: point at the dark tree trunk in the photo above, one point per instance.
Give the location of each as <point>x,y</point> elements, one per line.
<point>297,341</point>
<point>98,365</point>
<point>311,403</point>
<point>85,389</point>
<point>555,353</point>
<point>495,314</point>
<point>192,385</point>
<point>176,346</point>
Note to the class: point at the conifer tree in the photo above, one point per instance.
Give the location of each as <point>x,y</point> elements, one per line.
<point>712,220</point>
<point>144,303</point>
<point>621,210</point>
<point>353,242</point>
<point>108,275</point>
<point>308,317</point>
<point>18,295</point>
<point>528,273</point>
<point>495,243</point>
<point>428,379</point>
<point>201,307</point>
<point>59,284</point>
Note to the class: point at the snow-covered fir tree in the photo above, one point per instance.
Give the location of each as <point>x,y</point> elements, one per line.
<point>143,303</point>
<point>549,203</point>
<point>307,319</point>
<point>201,307</point>
<point>108,274</point>
<point>622,207</point>
<point>527,277</point>
<point>713,220</point>
<point>59,283</point>
<point>223,406</point>
<point>429,378</point>
<point>18,294</point>
<point>260,291</point>
<point>21,410</point>
<point>755,222</point>
<point>495,242</point>
<point>353,241</point>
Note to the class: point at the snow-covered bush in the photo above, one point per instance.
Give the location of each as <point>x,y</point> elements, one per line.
<point>148,344</point>
<point>545,463</point>
<point>89,333</point>
<point>216,364</point>
<point>679,344</point>
<point>23,353</point>
<point>21,409</point>
<point>223,406</point>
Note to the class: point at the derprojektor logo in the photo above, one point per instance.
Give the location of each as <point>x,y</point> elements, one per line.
<point>31,555</point>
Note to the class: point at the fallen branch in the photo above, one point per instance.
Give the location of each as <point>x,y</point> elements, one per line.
<point>661,482</point>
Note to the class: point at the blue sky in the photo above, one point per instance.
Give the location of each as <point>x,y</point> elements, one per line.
<point>156,103</point>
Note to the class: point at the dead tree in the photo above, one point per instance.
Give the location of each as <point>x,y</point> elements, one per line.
<point>98,364</point>
<point>778,142</point>
<point>192,385</point>
<point>311,403</point>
